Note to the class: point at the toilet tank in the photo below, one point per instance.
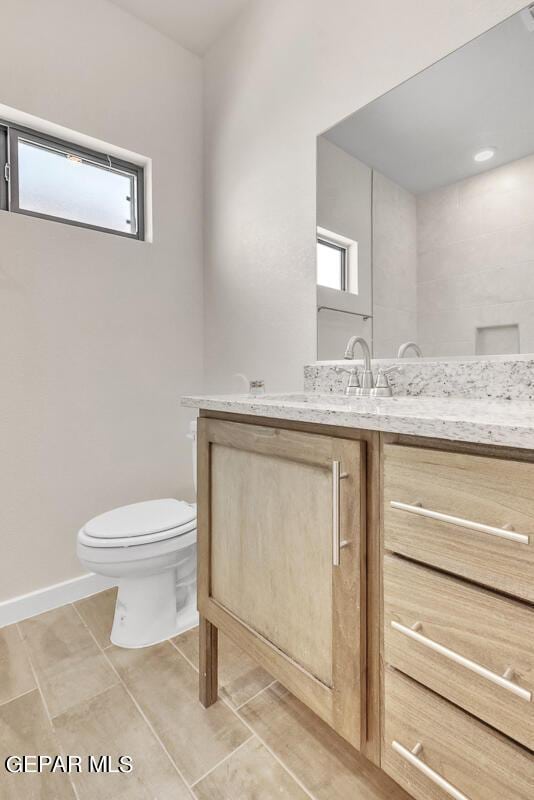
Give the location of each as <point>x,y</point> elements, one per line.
<point>193,436</point>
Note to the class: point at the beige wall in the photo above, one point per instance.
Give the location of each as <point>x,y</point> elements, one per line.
<point>476,264</point>
<point>394,266</point>
<point>287,71</point>
<point>99,335</point>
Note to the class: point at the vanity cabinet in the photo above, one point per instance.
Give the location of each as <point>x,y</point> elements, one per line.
<point>386,581</point>
<point>281,544</point>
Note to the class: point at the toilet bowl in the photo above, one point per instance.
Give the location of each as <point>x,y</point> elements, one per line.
<point>150,549</point>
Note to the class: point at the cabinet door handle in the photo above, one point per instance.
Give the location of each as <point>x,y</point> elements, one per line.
<point>337,544</point>
<point>501,680</point>
<point>502,533</point>
<point>412,756</point>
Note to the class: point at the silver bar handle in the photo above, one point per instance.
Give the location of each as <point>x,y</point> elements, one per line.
<point>337,544</point>
<point>503,533</point>
<point>501,680</point>
<point>412,756</point>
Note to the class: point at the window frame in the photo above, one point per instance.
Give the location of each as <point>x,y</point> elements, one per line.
<point>9,191</point>
<point>4,163</point>
<point>344,260</point>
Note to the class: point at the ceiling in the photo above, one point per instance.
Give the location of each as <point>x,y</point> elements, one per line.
<point>424,133</point>
<point>194,24</point>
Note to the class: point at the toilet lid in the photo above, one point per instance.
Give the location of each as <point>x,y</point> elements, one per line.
<point>141,519</point>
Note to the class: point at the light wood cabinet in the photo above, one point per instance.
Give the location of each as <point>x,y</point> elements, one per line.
<point>385,583</point>
<point>281,541</point>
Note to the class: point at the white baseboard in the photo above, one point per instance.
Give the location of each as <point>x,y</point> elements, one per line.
<point>28,605</point>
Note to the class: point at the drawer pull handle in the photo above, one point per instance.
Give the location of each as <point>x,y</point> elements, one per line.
<point>503,533</point>
<point>412,756</point>
<point>337,544</point>
<point>501,680</point>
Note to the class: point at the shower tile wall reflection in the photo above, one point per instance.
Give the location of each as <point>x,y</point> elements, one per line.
<point>476,261</point>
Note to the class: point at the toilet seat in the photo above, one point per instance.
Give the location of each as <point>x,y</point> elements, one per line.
<point>139,524</point>
<point>96,556</point>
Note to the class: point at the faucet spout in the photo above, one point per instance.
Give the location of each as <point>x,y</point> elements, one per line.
<point>351,344</point>
<point>366,380</point>
<point>407,346</point>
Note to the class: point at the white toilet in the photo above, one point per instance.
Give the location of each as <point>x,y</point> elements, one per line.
<point>150,548</point>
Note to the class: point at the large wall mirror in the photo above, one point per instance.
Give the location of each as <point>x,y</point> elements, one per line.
<point>425,209</point>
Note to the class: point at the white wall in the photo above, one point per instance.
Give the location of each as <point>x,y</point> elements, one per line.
<point>99,334</point>
<point>476,262</point>
<point>394,266</point>
<point>288,70</point>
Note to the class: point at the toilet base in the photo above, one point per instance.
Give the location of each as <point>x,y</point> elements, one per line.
<point>146,610</point>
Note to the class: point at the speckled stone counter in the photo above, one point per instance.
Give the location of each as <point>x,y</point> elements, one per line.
<point>492,378</point>
<point>500,422</point>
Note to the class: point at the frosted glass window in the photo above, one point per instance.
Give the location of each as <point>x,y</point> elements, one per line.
<point>57,184</point>
<point>331,261</point>
<point>61,181</point>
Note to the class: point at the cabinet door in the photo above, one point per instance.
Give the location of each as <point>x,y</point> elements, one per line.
<point>281,540</point>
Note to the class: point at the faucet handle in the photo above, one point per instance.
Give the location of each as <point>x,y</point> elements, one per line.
<point>383,371</point>
<point>382,387</point>
<point>351,371</point>
<point>353,385</point>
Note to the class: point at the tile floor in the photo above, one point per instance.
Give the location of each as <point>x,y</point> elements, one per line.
<point>65,689</point>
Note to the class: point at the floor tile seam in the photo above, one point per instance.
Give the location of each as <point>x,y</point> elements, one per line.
<point>270,750</point>
<point>34,673</point>
<point>223,760</point>
<point>18,696</point>
<point>148,724</point>
<point>45,705</point>
<point>254,696</point>
<point>86,625</point>
<point>236,710</point>
<point>191,664</point>
<point>97,693</point>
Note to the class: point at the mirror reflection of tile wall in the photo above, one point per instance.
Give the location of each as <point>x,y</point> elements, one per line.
<point>453,268</point>
<point>475,248</point>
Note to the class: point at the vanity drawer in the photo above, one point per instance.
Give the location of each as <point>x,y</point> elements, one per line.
<point>459,757</point>
<point>464,642</point>
<point>457,512</point>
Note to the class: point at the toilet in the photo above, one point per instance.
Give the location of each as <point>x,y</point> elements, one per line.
<point>150,549</point>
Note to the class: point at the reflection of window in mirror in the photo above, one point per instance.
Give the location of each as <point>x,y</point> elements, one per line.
<point>331,265</point>
<point>337,261</point>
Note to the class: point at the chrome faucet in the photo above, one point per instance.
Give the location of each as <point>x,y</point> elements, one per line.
<point>366,380</point>
<point>365,383</point>
<point>407,346</point>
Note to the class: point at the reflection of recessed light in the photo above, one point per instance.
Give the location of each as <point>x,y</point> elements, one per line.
<point>484,155</point>
<point>74,159</point>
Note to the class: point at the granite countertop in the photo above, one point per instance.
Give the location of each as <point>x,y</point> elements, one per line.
<point>501,422</point>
